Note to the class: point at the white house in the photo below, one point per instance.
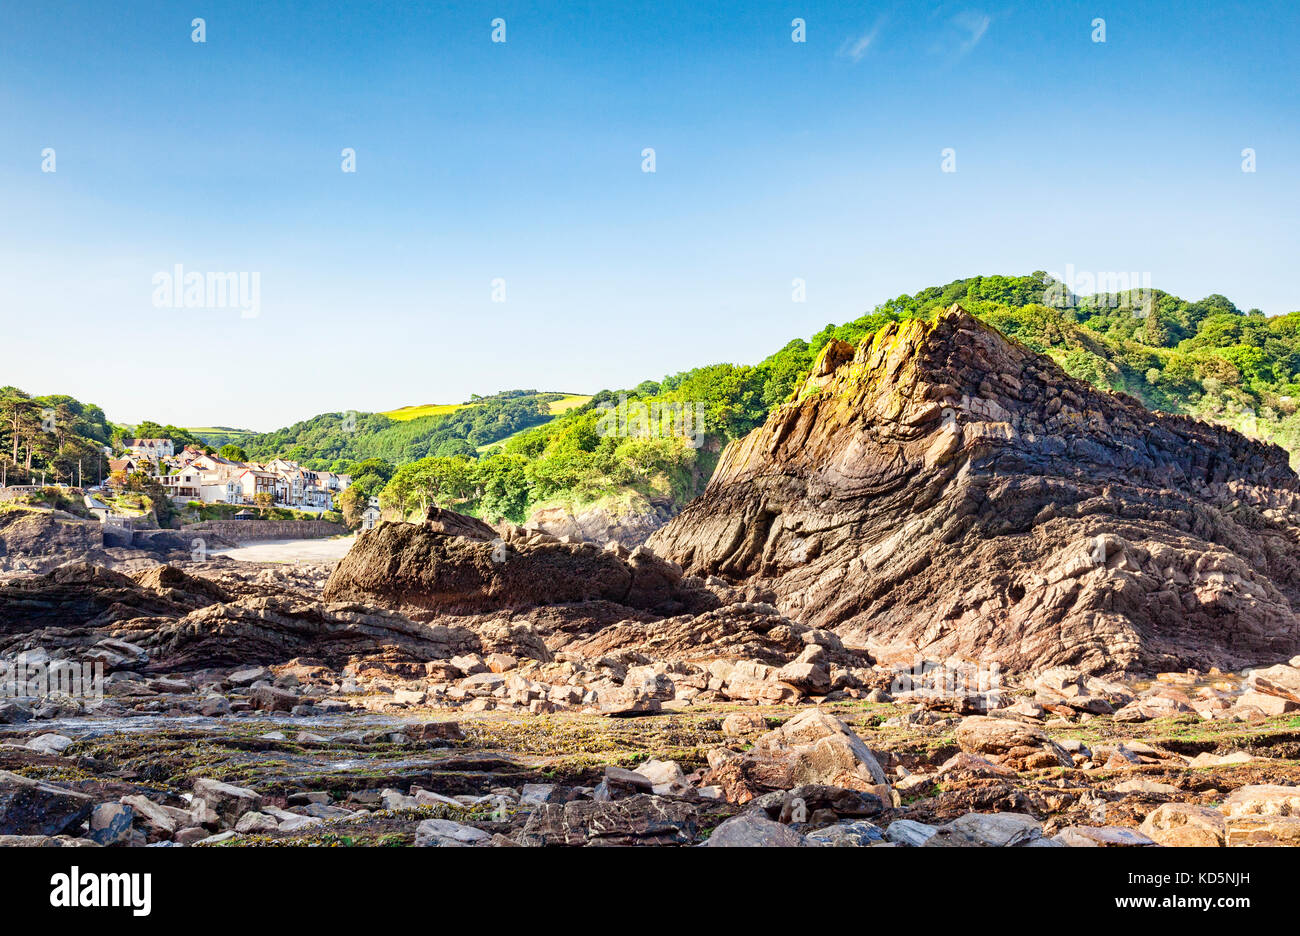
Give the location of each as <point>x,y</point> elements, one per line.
<point>369,517</point>
<point>215,464</point>
<point>182,485</point>
<point>98,508</point>
<point>152,448</point>
<point>215,490</point>
<point>332,482</point>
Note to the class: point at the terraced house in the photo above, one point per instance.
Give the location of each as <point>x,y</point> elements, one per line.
<point>153,449</point>
<point>195,475</point>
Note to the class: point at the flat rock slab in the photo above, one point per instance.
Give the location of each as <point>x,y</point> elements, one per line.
<point>636,820</point>
<point>1102,837</point>
<point>996,830</point>
<point>34,807</point>
<point>753,831</point>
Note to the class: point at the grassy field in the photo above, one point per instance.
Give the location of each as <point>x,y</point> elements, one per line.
<point>404,413</point>
<point>218,436</point>
<point>568,403</point>
<point>556,407</point>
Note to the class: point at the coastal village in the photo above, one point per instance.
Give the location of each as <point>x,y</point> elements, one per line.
<point>208,478</point>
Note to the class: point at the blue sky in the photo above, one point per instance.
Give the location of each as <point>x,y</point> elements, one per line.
<point>476,160</point>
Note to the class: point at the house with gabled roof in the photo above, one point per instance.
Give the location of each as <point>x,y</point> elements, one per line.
<point>152,448</point>
<point>181,485</point>
<point>217,464</point>
<point>254,481</point>
<point>129,464</point>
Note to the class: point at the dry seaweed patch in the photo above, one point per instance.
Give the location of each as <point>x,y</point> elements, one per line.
<point>577,747</point>
<point>1277,737</point>
<point>69,774</point>
<point>913,745</point>
<point>173,759</point>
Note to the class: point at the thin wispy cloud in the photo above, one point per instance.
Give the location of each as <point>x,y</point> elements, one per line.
<point>962,32</point>
<point>976,24</point>
<point>855,48</point>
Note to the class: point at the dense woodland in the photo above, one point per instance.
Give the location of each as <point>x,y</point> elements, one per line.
<point>1206,358</point>
<point>55,437</point>
<point>332,439</point>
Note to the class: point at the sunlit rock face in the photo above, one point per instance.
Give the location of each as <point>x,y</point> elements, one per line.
<point>945,491</point>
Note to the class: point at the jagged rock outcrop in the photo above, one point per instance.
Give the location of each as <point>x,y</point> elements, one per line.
<point>457,565</point>
<point>36,531</point>
<point>39,539</point>
<point>180,587</point>
<point>272,630</point>
<point>188,622</point>
<point>79,594</point>
<point>944,491</point>
<point>739,632</point>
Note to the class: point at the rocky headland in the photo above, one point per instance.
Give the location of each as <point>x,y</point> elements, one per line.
<point>946,596</point>
<point>946,492</point>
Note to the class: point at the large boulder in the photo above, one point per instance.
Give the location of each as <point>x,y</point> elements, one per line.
<point>1263,799</point>
<point>1102,837</point>
<point>226,800</point>
<point>945,492</point>
<point>813,748</point>
<point>449,566</point>
<point>445,833</point>
<point>753,831</point>
<point>990,830</point>
<point>34,807</point>
<point>1282,681</point>
<point>181,587</point>
<point>826,751</point>
<point>1185,824</point>
<point>1010,743</point>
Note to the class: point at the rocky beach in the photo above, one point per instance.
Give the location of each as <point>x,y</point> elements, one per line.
<point>947,596</point>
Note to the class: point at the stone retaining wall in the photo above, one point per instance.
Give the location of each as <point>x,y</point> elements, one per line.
<point>242,531</point>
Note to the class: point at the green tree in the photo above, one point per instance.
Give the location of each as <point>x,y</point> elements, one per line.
<point>503,481</point>
<point>351,503</point>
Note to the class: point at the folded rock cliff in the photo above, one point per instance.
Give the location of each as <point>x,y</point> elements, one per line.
<point>944,491</point>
